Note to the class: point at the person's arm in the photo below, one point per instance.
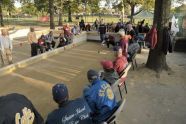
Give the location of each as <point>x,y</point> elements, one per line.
<point>1,46</point>
<point>116,66</point>
<point>29,38</point>
<point>87,97</point>
<point>11,45</point>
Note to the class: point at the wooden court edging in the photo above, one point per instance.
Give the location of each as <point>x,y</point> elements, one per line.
<point>80,39</point>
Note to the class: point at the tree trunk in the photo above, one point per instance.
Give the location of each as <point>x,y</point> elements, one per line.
<point>51,11</point>
<point>60,19</point>
<point>157,59</point>
<point>69,13</point>
<point>132,13</point>
<point>1,15</point>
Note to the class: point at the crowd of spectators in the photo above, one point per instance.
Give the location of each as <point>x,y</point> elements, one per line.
<point>96,105</point>
<point>99,101</point>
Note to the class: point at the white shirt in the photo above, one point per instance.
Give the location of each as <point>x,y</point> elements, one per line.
<point>5,43</point>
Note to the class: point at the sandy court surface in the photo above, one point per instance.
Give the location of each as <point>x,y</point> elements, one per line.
<point>150,100</point>
<point>70,67</point>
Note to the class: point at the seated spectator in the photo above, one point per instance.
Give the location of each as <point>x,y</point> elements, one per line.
<point>120,62</point>
<point>75,30</point>
<point>50,41</point>
<point>70,111</point>
<point>109,74</point>
<point>67,32</point>
<point>124,39</point>
<point>62,41</point>
<point>100,98</point>
<point>41,43</point>
<point>12,104</point>
<point>110,40</point>
<point>88,27</point>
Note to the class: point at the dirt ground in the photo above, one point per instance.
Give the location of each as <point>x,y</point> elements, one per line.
<point>150,100</point>
<point>153,100</point>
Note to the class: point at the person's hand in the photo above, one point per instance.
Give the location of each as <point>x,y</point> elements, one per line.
<point>27,118</point>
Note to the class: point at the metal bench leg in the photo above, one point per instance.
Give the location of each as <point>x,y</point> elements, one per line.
<point>125,87</point>
<point>133,65</point>
<point>120,92</point>
<point>136,63</point>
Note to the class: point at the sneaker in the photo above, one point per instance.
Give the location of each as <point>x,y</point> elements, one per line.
<point>102,42</point>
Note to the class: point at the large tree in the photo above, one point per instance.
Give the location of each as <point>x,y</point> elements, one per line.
<point>5,4</point>
<point>51,11</point>
<point>157,58</point>
<point>1,13</point>
<point>133,4</point>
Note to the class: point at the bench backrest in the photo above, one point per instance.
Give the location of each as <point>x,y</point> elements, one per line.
<point>113,117</point>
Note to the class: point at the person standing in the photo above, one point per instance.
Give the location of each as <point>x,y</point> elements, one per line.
<point>102,31</point>
<point>5,47</point>
<point>50,41</point>
<point>33,41</point>
<point>67,33</point>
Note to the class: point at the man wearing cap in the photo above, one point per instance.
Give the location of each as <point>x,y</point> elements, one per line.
<point>120,62</point>
<point>109,74</point>
<point>70,111</point>
<point>100,98</point>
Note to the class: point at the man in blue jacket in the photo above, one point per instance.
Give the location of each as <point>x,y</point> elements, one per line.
<point>100,98</point>
<point>70,111</point>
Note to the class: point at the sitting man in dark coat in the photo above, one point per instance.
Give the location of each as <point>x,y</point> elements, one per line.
<point>109,74</point>
<point>70,111</point>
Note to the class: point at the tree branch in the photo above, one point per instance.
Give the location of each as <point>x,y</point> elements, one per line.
<point>138,12</point>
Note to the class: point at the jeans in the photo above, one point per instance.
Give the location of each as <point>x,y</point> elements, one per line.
<point>33,49</point>
<point>102,37</point>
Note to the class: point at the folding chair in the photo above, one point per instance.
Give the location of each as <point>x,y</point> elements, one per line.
<point>113,117</point>
<point>122,81</point>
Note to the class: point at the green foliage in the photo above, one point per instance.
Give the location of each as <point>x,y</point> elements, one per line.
<point>29,8</point>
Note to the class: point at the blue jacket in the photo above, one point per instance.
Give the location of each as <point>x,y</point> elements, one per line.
<point>101,100</point>
<point>73,112</point>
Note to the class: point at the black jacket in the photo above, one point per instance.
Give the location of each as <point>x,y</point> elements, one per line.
<point>102,29</point>
<point>167,44</point>
<point>14,103</point>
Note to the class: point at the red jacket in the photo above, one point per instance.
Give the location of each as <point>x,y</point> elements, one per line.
<point>153,37</point>
<point>120,64</point>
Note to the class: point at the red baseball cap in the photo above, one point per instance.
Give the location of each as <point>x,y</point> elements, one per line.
<point>107,64</point>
